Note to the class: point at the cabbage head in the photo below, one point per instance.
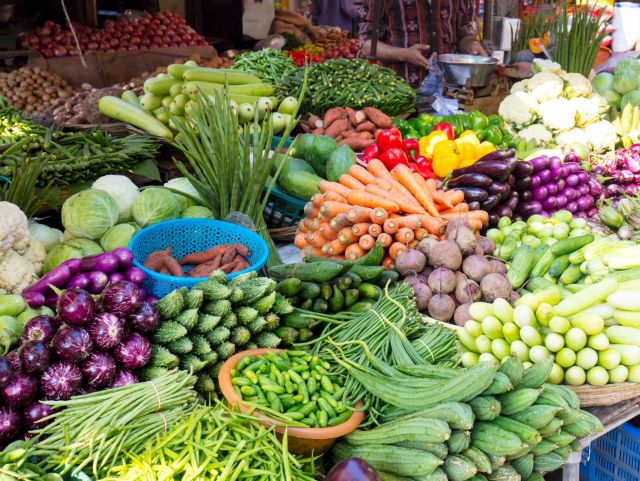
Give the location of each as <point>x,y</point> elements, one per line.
<point>183,185</point>
<point>122,190</point>
<point>627,76</point>
<point>153,205</point>
<point>118,236</point>
<point>58,255</point>
<point>602,82</point>
<point>87,247</point>
<point>49,236</point>
<point>89,214</point>
<point>632,98</point>
<point>197,212</point>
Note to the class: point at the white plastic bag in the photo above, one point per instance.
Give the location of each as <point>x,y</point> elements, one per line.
<point>257,18</point>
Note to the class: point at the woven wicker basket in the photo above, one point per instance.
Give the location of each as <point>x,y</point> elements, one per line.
<point>606,395</point>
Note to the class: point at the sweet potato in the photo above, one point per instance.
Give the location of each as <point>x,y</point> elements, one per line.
<point>173,266</point>
<point>204,256</point>
<point>356,117</point>
<point>314,122</point>
<point>380,119</point>
<point>156,259</point>
<point>337,128</point>
<point>365,135</point>
<point>357,144</point>
<point>332,115</point>
<point>367,126</point>
<point>164,270</point>
<point>349,133</point>
<point>227,268</point>
<point>319,131</point>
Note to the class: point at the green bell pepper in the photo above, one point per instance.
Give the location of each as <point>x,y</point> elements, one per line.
<point>495,120</point>
<point>491,134</point>
<point>456,122</point>
<point>478,121</point>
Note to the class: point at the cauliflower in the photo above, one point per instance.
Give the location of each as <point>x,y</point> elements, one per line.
<point>587,110</point>
<point>519,86</point>
<point>542,65</point>
<point>603,105</point>
<point>537,132</point>
<point>518,108</point>
<point>36,254</point>
<point>573,136</point>
<point>558,114</point>
<point>14,228</point>
<point>601,135</point>
<point>545,86</point>
<point>16,273</point>
<point>577,85</point>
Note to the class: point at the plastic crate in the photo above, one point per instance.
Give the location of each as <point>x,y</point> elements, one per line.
<point>614,456</point>
<point>186,236</point>
<point>282,209</point>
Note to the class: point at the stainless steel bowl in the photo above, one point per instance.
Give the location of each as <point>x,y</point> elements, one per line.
<point>459,68</point>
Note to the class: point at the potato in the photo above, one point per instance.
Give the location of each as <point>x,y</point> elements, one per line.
<point>423,295</point>
<point>426,244</point>
<point>410,261</point>
<point>494,286</point>
<point>488,246</point>
<point>461,314</point>
<point>498,266</point>
<point>441,307</point>
<point>476,267</point>
<point>468,291</point>
<point>465,238</point>
<point>442,281</point>
<point>447,254</point>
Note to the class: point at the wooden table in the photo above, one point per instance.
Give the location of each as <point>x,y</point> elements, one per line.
<point>611,417</point>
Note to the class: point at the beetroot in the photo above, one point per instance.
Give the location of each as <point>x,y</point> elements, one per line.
<point>72,344</point>
<point>134,351</point>
<point>61,380</point>
<point>106,330</point>
<point>99,370</point>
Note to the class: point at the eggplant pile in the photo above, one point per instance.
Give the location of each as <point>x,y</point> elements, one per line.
<point>495,183</point>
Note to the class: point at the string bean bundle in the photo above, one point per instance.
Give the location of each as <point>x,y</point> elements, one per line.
<point>94,430</point>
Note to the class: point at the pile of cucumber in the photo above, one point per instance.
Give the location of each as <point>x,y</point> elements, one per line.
<point>517,429</point>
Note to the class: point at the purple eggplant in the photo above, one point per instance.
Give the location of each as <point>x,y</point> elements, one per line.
<point>527,209</point>
<point>98,280</point>
<point>512,201</point>
<point>571,207</point>
<point>61,380</point>
<point>9,427</point>
<point>523,169</point>
<point>21,390</point>
<point>105,262</point>
<point>511,180</point>
<point>499,188</point>
<point>121,298</point>
<point>74,265</point>
<point>79,281</point>
<point>145,319</point>
<point>552,189</point>
<point>72,344</point>
<point>125,257</point>
<point>34,412</point>
<point>496,169</point>
<point>34,299</point>
<point>133,352</point>
<point>106,330</point>
<point>115,277</point>
<point>123,378</point>
<point>58,277</point>
<point>472,179</point>
<point>539,163</point>
<point>99,370</point>
<point>135,275</point>
<point>525,196</point>
<point>522,183</point>
<point>6,371</point>
<point>35,356</point>
<point>561,184</point>
<point>473,194</point>
<point>493,218</point>
<point>545,176</point>
<point>489,203</point>
<point>474,205</point>
<point>535,181</point>
<point>75,307</point>
<point>502,211</point>
<point>550,203</point>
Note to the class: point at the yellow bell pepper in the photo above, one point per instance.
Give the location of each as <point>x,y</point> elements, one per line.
<point>428,142</point>
<point>469,136</point>
<point>484,148</point>
<point>445,157</point>
<point>466,150</point>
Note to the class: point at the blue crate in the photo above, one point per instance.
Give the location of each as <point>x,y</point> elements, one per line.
<point>614,456</point>
<point>186,236</point>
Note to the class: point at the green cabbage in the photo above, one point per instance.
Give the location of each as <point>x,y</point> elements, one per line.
<point>122,189</point>
<point>49,236</point>
<point>153,205</point>
<point>58,255</point>
<point>627,76</point>
<point>632,98</point>
<point>602,82</point>
<point>118,236</point>
<point>87,247</point>
<point>197,211</point>
<point>89,214</point>
<point>183,185</point>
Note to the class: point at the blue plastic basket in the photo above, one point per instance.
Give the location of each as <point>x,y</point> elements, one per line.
<point>614,456</point>
<point>186,236</point>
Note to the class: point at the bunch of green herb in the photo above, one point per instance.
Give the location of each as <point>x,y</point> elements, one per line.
<point>21,189</point>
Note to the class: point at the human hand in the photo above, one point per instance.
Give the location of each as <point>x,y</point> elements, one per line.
<point>476,48</point>
<point>415,55</point>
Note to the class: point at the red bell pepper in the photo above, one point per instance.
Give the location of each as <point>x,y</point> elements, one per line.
<point>424,168</point>
<point>394,156</point>
<point>370,152</point>
<point>411,147</point>
<point>389,139</point>
<point>446,128</point>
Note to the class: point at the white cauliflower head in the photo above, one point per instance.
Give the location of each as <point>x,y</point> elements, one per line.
<point>603,105</point>
<point>16,273</point>
<point>587,110</point>
<point>14,228</point>
<point>518,108</point>
<point>36,254</point>
<point>537,132</point>
<point>521,86</point>
<point>558,114</point>
<point>601,135</point>
<point>543,65</point>
<point>573,136</point>
<point>577,85</point>
<point>545,86</point>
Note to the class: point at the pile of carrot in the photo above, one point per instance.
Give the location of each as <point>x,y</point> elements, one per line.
<point>395,208</point>
<point>225,257</point>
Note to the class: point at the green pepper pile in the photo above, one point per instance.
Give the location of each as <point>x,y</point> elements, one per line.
<point>489,128</point>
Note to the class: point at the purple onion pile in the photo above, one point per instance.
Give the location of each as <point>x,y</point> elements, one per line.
<point>494,183</point>
<point>555,186</point>
<point>91,274</point>
<point>89,346</point>
<point>620,175</point>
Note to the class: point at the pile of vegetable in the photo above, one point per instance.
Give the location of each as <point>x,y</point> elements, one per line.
<point>33,89</point>
<point>272,383</point>
<point>225,257</point>
<point>495,183</point>
<point>556,107</point>
<point>627,124</point>
<point>555,185</point>
<point>448,275</point>
<point>621,88</point>
<point>617,219</point>
<point>268,65</point>
<point>14,314</point>
<point>72,157</point>
<point>90,345</point>
<point>354,214</point>
<point>591,336</point>
<point>335,43</point>
<point>349,83</point>
<point>355,128</point>
<point>201,328</point>
<point>153,30</point>
<point>619,172</point>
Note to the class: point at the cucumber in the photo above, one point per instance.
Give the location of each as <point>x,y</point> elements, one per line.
<point>309,290</point>
<point>289,287</point>
<point>538,283</point>
<point>177,70</point>
<point>543,264</point>
<point>336,301</point>
<point>417,429</point>
<point>571,275</point>
<point>343,282</point>
<point>220,76</point>
<point>571,244</point>
<point>559,265</point>
<point>351,296</point>
<point>314,271</point>
<point>388,277</point>
<point>355,279</point>
<point>370,291</point>
<point>320,305</point>
<point>367,273</point>
<point>309,258</point>
<point>373,257</point>
<point>159,86</point>
<point>118,109</point>
<point>521,266</point>
<point>12,305</point>
<point>296,320</point>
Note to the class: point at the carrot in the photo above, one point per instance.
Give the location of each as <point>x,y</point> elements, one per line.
<point>405,235</point>
<point>315,223</point>
<point>359,214</point>
<point>384,240</point>
<point>379,215</point>
<point>421,233</point>
<point>339,221</point>
<point>351,182</point>
<point>346,236</point>
<point>335,247</point>
<point>333,196</point>
<point>412,221</point>
<point>379,191</point>
<point>460,208</point>
<point>303,226</point>
<point>480,215</point>
<point>418,188</point>
<point>300,242</point>
<point>432,184</point>
<point>315,239</point>
<point>361,174</point>
<point>433,225</point>
<point>204,256</point>
<point>327,186</point>
<point>455,196</point>
<point>311,251</point>
<point>366,242</point>
<point>317,200</point>
<point>366,199</point>
<point>377,168</point>
<point>390,226</point>
<point>361,228</point>
<point>388,263</point>
<point>375,230</point>
<point>326,230</point>
<point>173,266</point>
<point>440,197</point>
<point>331,208</point>
<point>396,249</point>
<point>311,210</point>
<point>353,252</point>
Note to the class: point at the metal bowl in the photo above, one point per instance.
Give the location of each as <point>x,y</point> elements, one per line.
<point>460,68</point>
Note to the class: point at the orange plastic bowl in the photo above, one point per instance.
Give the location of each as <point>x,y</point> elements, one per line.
<point>302,441</point>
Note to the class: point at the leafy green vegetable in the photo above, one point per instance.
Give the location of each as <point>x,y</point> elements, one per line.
<point>89,213</point>
<point>154,205</point>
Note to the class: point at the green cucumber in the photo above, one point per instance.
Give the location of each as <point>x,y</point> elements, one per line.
<point>571,275</point>
<point>373,257</point>
<point>370,291</point>
<point>538,283</point>
<point>220,76</point>
<point>367,273</point>
<point>544,263</point>
<point>343,282</point>
<point>351,296</point>
<point>521,266</point>
<point>320,305</point>
<point>571,244</point>
<point>559,265</point>
<point>388,277</point>
<point>314,271</point>
<point>289,287</point>
<point>325,290</point>
<point>355,279</point>
<point>336,301</point>
<point>309,290</point>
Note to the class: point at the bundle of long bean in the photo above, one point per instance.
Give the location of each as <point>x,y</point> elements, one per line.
<point>268,64</point>
<point>214,444</point>
<point>94,430</point>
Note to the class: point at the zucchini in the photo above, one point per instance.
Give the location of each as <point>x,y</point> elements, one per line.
<point>220,76</point>
<point>313,271</point>
<point>289,287</point>
<point>571,244</point>
<point>521,266</point>
<point>551,428</point>
<point>370,291</point>
<point>491,439</point>
<point>438,449</point>
<point>159,86</point>
<point>527,434</point>
<point>548,462</point>
<point>367,273</point>
<point>486,408</point>
<point>523,465</point>
<point>308,290</point>
<point>478,458</point>
<point>336,301</point>
<point>536,375</point>
<point>459,441</point>
<point>393,459</point>
<point>518,400</point>
<point>118,109</point>
<point>388,277</point>
<point>500,385</point>
<point>418,429</point>
<point>506,472</point>
<point>537,415</point>
<point>544,447</point>
<point>512,368</point>
<point>459,468</point>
